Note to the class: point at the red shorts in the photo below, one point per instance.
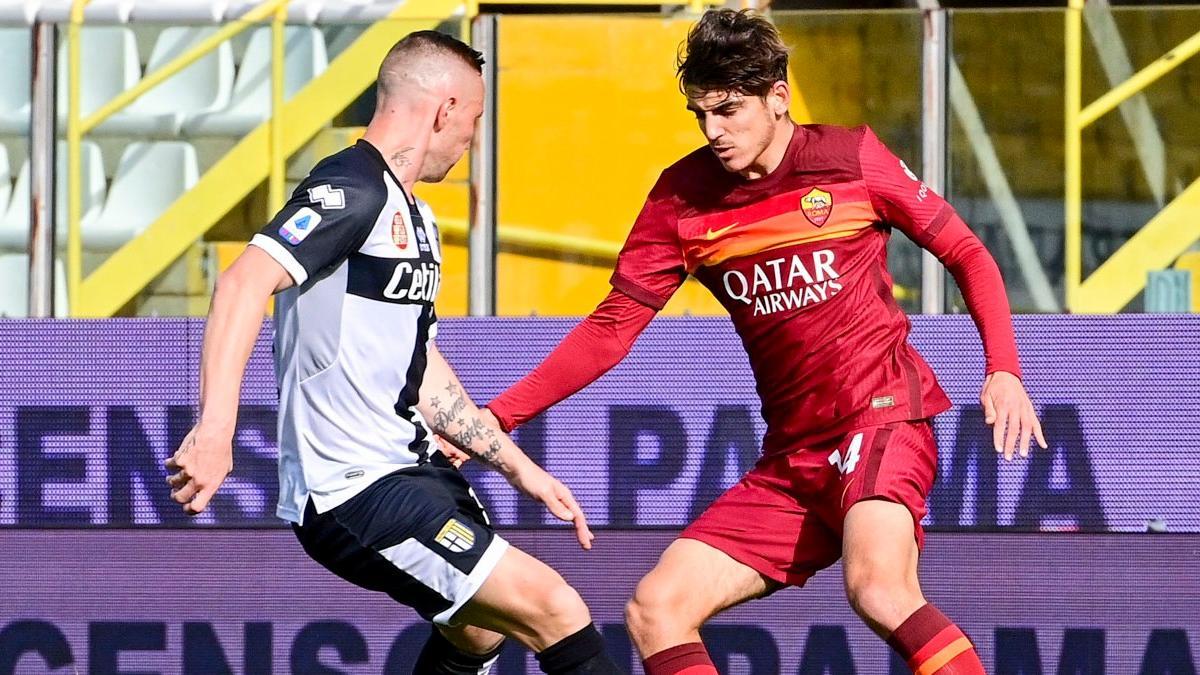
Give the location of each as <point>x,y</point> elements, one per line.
<point>784,518</point>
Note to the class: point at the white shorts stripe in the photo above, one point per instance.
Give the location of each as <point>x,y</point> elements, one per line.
<point>431,569</point>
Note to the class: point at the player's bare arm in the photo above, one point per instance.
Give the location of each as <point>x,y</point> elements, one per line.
<point>452,415</point>
<point>205,457</point>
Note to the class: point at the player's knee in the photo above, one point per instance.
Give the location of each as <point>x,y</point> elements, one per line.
<point>881,598</point>
<point>654,608</point>
<point>561,609</point>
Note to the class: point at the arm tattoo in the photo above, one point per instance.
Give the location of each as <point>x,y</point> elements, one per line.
<point>492,455</point>
<point>464,430</point>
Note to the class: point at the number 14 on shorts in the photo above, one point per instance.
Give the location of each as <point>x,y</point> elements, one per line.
<point>846,463</point>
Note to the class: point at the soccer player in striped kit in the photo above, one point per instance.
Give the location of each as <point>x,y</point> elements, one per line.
<point>355,261</point>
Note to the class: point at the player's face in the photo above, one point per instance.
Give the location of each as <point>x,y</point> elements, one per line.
<point>452,138</point>
<point>738,127</point>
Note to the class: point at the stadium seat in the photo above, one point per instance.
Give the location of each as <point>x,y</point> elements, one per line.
<point>14,285</point>
<point>14,226</point>
<point>304,58</point>
<point>150,177</point>
<point>109,66</point>
<point>202,87</point>
<point>14,80</point>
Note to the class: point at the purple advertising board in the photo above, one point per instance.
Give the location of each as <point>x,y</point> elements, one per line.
<point>249,601</point>
<point>89,409</point>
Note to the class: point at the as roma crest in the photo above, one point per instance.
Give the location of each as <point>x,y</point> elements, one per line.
<point>399,231</point>
<point>817,205</point>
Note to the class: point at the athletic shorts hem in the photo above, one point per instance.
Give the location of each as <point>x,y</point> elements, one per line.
<point>483,569</point>
<point>918,530</point>
<point>754,562</point>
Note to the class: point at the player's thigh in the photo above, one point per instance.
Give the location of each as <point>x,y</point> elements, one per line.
<point>694,581</point>
<point>524,598</point>
<point>880,557</point>
<point>879,544</point>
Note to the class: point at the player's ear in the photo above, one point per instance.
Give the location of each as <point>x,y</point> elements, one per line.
<point>780,98</point>
<point>443,113</point>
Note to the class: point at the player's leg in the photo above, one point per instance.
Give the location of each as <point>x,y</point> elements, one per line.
<point>881,547</point>
<point>528,601</point>
<point>880,563</point>
<point>754,539</point>
<point>691,583</point>
<point>459,650</point>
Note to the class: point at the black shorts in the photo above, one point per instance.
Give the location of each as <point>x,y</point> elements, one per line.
<point>417,534</point>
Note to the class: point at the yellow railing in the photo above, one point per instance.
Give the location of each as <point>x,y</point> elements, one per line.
<point>278,141</point>
<point>1117,281</point>
<point>77,127</point>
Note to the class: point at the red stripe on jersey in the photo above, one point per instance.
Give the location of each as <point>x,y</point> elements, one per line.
<point>878,447</point>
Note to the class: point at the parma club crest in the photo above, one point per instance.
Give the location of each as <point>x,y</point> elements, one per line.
<point>817,205</point>
<point>399,231</point>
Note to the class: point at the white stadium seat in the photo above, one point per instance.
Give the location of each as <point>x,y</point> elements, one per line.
<point>204,86</point>
<point>108,66</point>
<point>14,285</point>
<point>14,226</point>
<point>304,58</point>
<point>150,177</point>
<point>14,80</point>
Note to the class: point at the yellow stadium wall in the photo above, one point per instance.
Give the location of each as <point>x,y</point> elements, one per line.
<point>590,113</point>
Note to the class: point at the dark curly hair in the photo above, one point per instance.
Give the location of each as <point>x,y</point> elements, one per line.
<point>732,50</point>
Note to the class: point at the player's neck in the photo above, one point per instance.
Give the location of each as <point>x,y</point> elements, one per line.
<point>402,146</point>
<point>772,157</point>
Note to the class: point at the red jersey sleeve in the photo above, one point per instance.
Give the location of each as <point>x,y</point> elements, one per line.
<point>650,267</point>
<point>904,201</point>
<point>591,349</point>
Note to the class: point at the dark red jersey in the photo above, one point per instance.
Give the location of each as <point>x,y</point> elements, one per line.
<point>799,259</point>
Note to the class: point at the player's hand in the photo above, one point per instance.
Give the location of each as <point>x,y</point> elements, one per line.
<point>1007,408</point>
<point>535,482</point>
<point>200,464</point>
<point>457,457</point>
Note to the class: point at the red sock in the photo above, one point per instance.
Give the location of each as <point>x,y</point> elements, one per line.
<point>931,643</point>
<point>688,659</point>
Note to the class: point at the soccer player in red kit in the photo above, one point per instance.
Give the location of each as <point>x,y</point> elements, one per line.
<point>788,225</point>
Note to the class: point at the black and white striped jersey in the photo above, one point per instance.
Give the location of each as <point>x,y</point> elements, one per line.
<point>351,335</point>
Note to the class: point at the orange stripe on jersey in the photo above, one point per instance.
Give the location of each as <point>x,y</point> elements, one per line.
<point>708,245</point>
<point>935,662</point>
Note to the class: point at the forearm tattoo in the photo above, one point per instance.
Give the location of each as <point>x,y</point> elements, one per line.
<point>449,421</point>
